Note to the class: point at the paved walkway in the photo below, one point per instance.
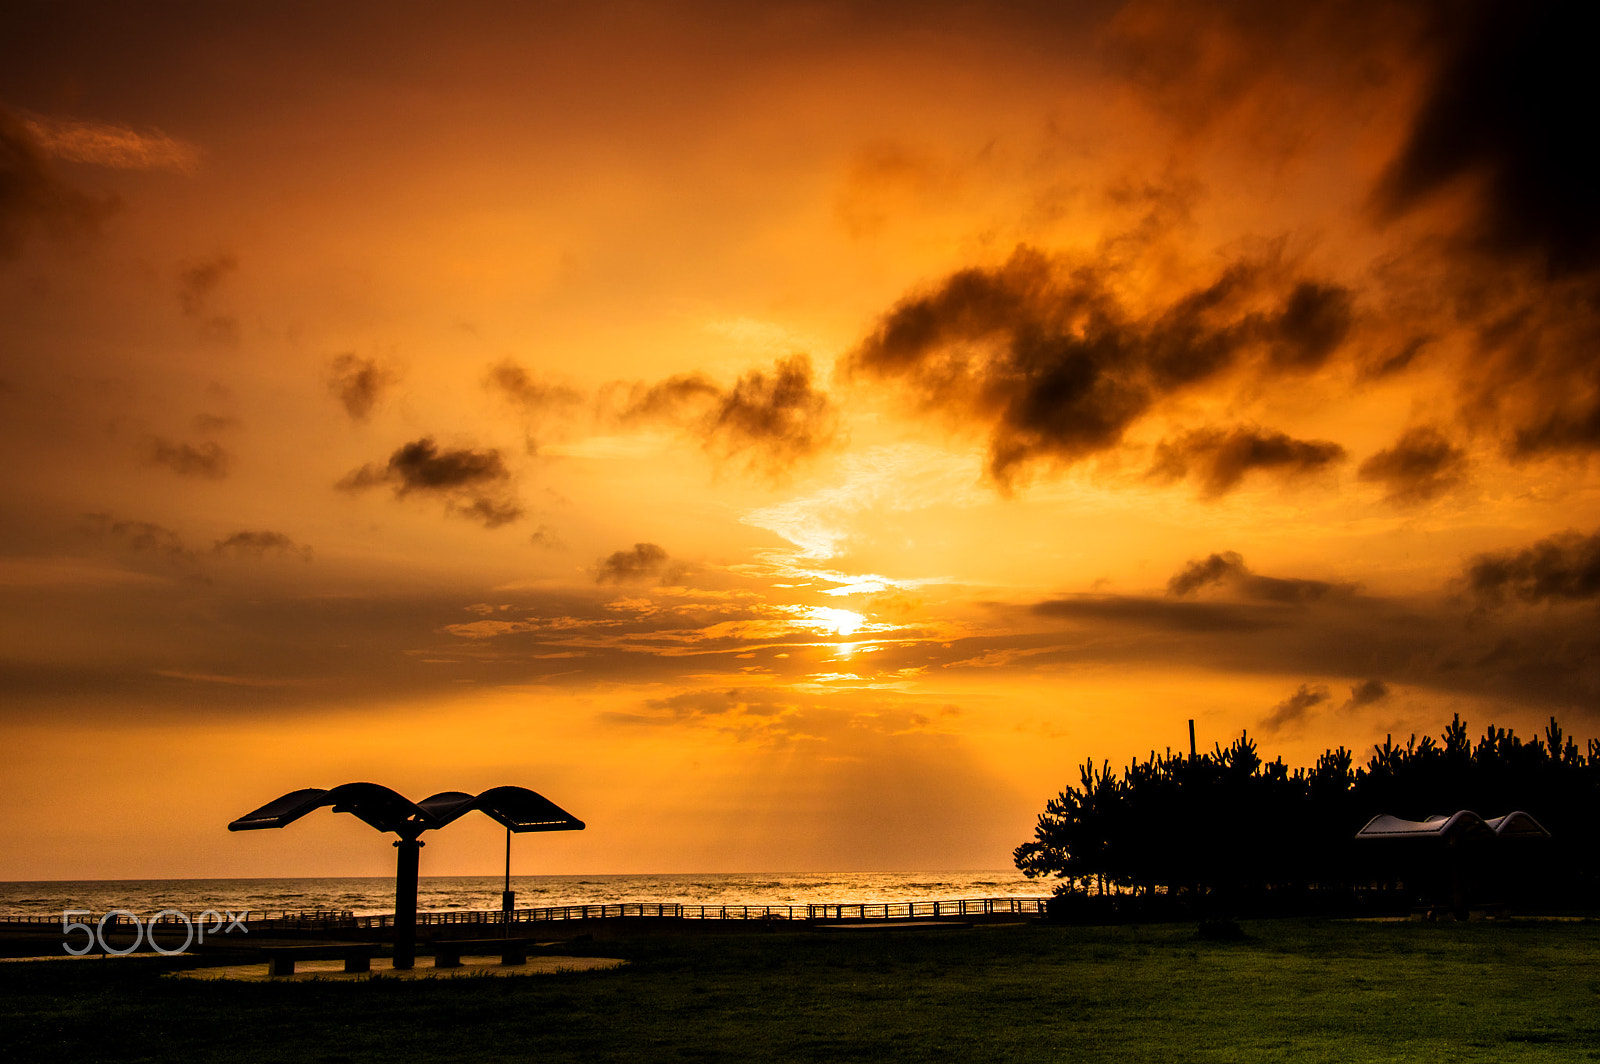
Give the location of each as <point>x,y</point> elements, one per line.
<point>333,970</point>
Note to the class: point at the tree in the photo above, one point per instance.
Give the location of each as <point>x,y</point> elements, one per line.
<point>1227,826</point>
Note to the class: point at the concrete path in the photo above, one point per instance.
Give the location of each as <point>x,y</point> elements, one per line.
<point>333,970</point>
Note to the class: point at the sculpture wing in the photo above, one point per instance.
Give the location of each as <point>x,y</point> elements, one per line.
<point>281,811</point>
<point>1518,825</point>
<point>1465,823</point>
<point>447,805</point>
<point>521,810</point>
<point>516,807</point>
<point>373,803</point>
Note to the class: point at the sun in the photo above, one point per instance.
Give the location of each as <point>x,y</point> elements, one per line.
<point>834,621</point>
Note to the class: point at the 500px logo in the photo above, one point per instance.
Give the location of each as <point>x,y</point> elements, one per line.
<point>97,933</point>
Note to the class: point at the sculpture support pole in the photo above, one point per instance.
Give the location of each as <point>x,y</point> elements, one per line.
<point>508,900</point>
<point>405,903</point>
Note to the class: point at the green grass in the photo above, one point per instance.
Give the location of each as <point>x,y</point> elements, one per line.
<point>1291,991</point>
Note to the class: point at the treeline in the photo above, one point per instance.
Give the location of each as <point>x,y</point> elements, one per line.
<point>1229,828</point>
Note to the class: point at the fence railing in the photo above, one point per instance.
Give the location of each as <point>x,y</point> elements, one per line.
<point>835,911</point>
<point>901,910</point>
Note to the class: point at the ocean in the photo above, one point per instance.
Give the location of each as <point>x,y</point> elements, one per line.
<point>375,895</point>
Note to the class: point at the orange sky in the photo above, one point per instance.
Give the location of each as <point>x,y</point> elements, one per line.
<point>790,439</point>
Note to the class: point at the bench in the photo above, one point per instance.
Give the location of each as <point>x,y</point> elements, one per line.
<point>357,956</point>
<point>447,953</point>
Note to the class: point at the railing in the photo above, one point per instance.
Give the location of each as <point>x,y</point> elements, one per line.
<point>901,910</point>
<point>894,910</point>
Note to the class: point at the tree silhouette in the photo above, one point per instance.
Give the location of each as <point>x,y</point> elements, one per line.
<point>1226,830</point>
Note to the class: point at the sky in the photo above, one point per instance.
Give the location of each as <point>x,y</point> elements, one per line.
<point>790,437</point>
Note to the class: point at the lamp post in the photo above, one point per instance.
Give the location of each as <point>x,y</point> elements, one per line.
<point>518,808</point>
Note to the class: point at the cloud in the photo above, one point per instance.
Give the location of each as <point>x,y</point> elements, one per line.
<point>1229,568</point>
<point>517,384</point>
<point>778,715</point>
<point>1366,693</point>
<point>1048,357</point>
<point>1220,458</point>
<point>1498,112</point>
<point>187,459</point>
<point>1264,66</point>
<point>1560,568</point>
<point>644,562</point>
<point>1158,614</point>
<point>198,280</point>
<point>1495,274</point>
<point>197,283</point>
<point>421,466</point>
<point>1491,143</point>
<point>1293,709</point>
<point>472,483</point>
<point>1421,466</point>
<point>359,383</point>
<point>106,144</point>
<point>214,423</point>
<point>260,544</point>
<point>141,537</point>
<point>1499,80</point>
<point>33,196</point>
<point>767,420</point>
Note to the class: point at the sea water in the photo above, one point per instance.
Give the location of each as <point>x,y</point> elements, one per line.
<point>369,896</point>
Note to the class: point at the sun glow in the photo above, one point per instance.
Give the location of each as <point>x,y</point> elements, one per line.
<point>834,621</point>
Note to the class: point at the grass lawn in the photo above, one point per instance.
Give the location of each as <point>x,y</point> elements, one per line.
<point>1290,991</point>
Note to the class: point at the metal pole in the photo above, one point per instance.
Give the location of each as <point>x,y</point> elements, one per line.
<point>405,903</point>
<point>508,900</point>
<point>1191,740</point>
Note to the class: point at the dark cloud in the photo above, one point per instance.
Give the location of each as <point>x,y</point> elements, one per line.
<point>421,466</point>
<point>1220,458</point>
<point>1530,376</point>
<point>141,537</point>
<point>1573,423</point>
<point>33,196</point>
<point>199,280</point>
<point>517,384</point>
<point>260,544</point>
<point>1315,320</point>
<point>766,420</point>
<point>779,415</point>
<point>1422,465</point>
<point>214,423</point>
<point>1159,614</point>
<point>1046,356</point>
<point>1510,262</point>
<point>668,398</point>
<point>489,512</point>
<point>1537,659</point>
<point>1229,568</point>
<point>197,283</point>
<point>187,459</point>
<point>1293,709</point>
<point>473,483</point>
<point>1511,76</point>
<point>1561,568</point>
<point>1202,572</point>
<point>1366,693</point>
<point>1201,63</point>
<point>359,383</point>
<point>1492,139</point>
<point>645,561</point>
<point>1502,80</point>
